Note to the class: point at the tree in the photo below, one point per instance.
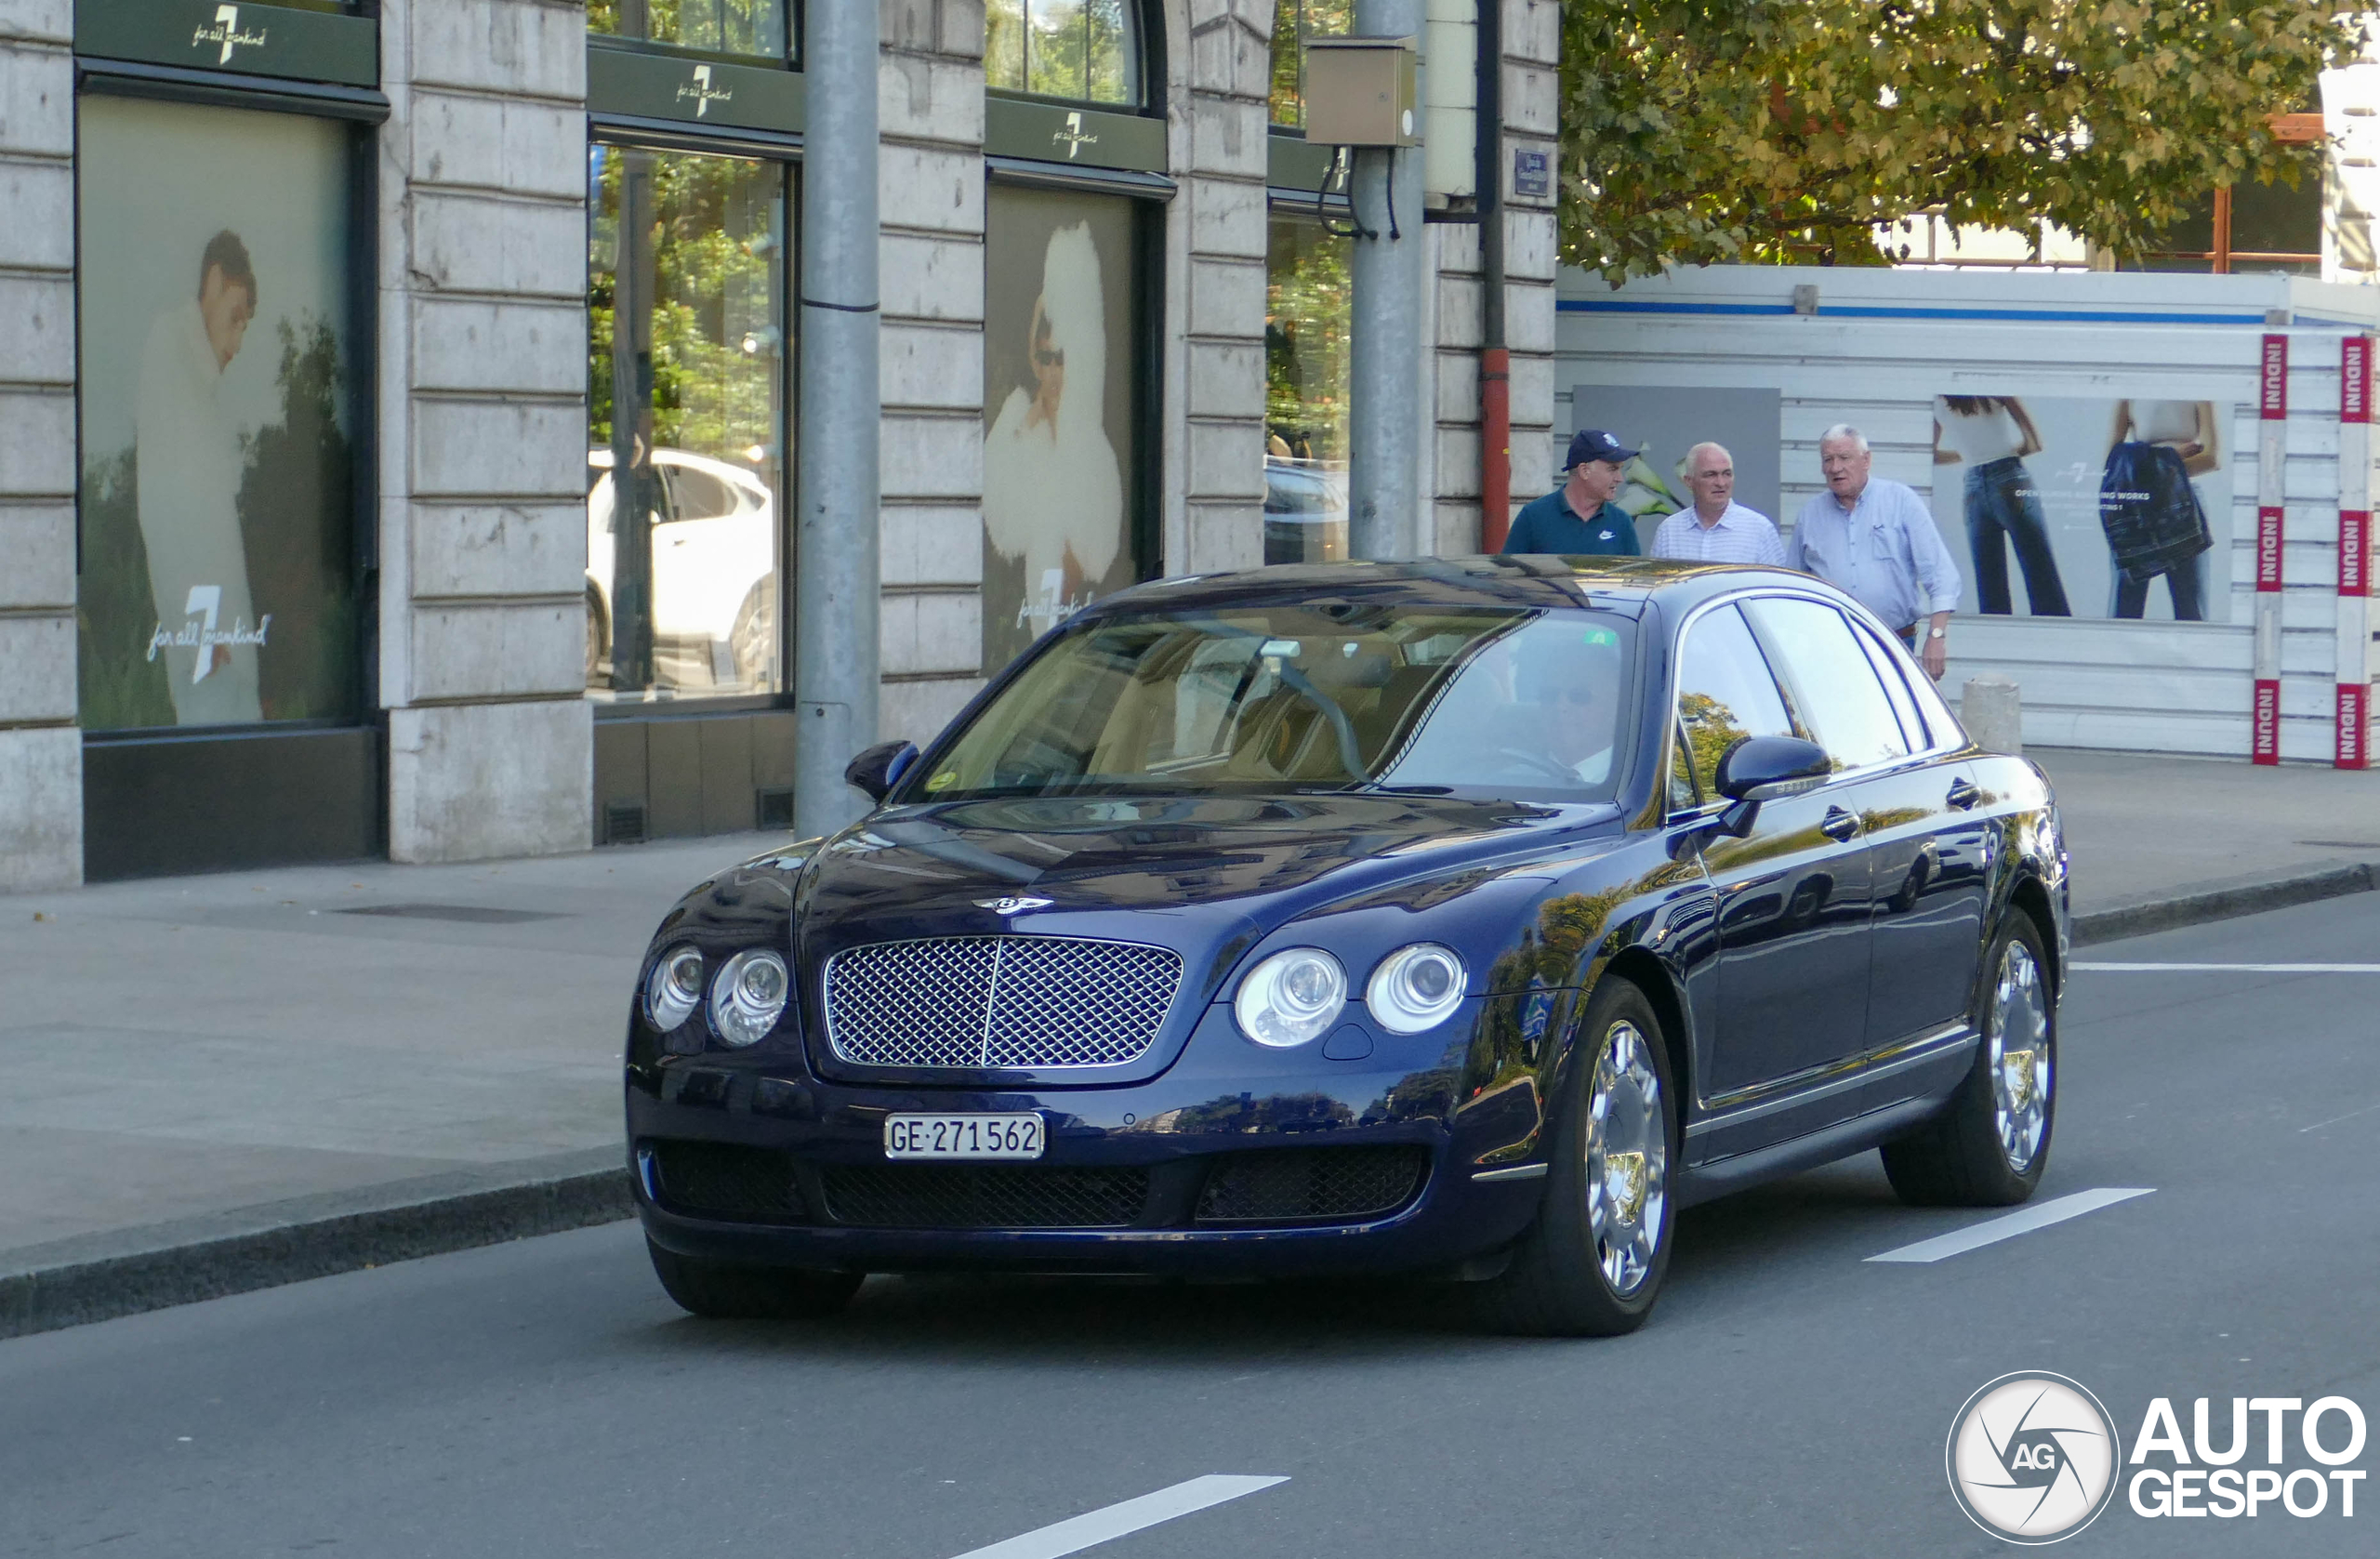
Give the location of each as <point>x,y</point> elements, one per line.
<point>1774,130</point>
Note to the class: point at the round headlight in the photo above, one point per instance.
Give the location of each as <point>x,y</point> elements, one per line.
<point>1415,987</point>
<point>1290,997</point>
<point>674,988</point>
<point>748,995</point>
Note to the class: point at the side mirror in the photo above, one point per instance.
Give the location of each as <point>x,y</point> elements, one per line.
<point>879,768</point>
<point>1767,768</point>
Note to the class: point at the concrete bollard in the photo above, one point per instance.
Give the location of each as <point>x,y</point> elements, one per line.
<point>1992,711</point>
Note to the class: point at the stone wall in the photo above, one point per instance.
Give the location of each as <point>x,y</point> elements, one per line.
<point>40,750</point>
<point>482,436</point>
<point>929,268</point>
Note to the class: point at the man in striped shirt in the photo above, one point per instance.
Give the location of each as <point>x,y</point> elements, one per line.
<point>1717,528</point>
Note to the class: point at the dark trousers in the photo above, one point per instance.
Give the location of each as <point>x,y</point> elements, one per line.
<point>2185,582</point>
<point>2004,509</point>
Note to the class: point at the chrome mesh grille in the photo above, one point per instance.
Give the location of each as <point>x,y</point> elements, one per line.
<point>999,1001</point>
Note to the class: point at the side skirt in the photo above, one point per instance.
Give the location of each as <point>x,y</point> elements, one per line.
<point>1703,1182</point>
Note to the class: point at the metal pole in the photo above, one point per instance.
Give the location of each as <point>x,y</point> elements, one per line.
<point>838,579</point>
<point>1386,352</point>
<point>1495,362</point>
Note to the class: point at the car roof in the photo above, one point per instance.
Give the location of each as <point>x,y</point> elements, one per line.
<point>1626,584</point>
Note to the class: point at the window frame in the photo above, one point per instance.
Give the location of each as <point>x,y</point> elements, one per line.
<point>1148,24</point>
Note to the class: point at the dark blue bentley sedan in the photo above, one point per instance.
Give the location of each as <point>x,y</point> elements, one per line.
<point>1462,918</point>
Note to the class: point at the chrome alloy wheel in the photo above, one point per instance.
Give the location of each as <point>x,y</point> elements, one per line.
<point>2017,1032</point>
<point>1628,1150</point>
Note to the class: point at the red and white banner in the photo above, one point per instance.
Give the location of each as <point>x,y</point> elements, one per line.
<point>2272,446</point>
<point>2352,719</point>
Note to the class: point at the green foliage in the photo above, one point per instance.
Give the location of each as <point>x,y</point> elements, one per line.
<point>297,528</point>
<point>123,686</point>
<point>1309,304</point>
<point>1704,131</point>
<point>723,26</point>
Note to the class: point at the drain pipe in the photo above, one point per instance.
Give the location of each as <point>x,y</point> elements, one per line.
<point>1495,363</point>
<point>837,578</point>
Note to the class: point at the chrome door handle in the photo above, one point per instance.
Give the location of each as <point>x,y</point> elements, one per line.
<point>1964,794</point>
<point>1839,825</point>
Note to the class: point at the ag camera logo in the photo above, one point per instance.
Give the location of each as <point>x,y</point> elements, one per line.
<point>2032,1458</point>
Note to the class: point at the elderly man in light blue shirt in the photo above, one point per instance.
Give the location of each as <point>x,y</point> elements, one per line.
<point>1873,539</point>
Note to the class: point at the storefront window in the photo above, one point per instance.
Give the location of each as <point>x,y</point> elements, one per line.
<point>1307,304</point>
<point>686,287</point>
<point>1088,50</point>
<point>1063,446</point>
<point>758,27</point>
<point>1293,22</point>
<point>219,458</point>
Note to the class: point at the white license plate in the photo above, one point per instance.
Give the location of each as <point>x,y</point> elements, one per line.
<point>1002,1136</point>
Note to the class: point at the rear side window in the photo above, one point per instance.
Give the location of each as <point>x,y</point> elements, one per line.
<point>1834,689</point>
<point>1725,693</point>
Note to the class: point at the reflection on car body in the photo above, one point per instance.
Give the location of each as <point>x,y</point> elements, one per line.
<point>1466,917</point>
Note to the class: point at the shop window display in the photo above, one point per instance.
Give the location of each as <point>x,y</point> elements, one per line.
<point>219,458</point>
<point>1063,446</point>
<point>686,287</point>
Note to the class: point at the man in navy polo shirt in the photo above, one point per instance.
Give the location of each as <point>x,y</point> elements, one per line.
<point>1552,524</point>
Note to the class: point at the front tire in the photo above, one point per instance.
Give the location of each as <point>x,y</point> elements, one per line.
<point>1990,1146</point>
<point>1592,1264</point>
<point>726,1291</point>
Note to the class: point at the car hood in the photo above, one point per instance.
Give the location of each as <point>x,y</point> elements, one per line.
<point>1194,874</point>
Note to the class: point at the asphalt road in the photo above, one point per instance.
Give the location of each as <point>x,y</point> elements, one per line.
<point>1790,1397</point>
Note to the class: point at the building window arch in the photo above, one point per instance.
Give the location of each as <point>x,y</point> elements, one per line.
<point>1085,51</point>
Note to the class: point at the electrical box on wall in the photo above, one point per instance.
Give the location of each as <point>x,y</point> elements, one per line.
<point>1360,92</point>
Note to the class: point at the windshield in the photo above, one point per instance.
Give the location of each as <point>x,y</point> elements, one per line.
<point>1508,703</point>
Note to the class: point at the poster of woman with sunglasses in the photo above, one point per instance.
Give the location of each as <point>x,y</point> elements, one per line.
<point>1057,308</point>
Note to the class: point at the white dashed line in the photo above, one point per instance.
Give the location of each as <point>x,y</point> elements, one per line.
<point>1992,1231</point>
<point>1111,1522</point>
<point>2228,967</point>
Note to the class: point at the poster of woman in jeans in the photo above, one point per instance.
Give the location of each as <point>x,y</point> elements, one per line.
<point>1992,435</point>
<point>2094,499</point>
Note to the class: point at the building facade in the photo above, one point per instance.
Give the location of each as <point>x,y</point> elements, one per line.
<point>399,397</point>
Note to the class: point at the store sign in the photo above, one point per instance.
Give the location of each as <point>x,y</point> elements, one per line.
<point>1082,136</point>
<point>248,38</point>
<point>635,83</point>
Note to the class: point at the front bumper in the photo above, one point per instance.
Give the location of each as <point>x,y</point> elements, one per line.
<point>1174,1135</point>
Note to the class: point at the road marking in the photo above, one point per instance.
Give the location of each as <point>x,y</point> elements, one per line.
<point>2336,1119</point>
<point>2230,968</point>
<point>1097,1527</point>
<point>1994,1230</point>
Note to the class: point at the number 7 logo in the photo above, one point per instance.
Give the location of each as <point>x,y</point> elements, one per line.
<point>229,16</point>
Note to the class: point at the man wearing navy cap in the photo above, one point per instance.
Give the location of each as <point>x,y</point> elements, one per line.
<point>1554,522</point>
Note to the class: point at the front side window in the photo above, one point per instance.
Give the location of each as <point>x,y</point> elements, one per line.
<point>1834,686</point>
<point>1308,310</point>
<point>686,270</point>
<point>1087,51</point>
<point>754,27</point>
<point>220,447</point>
<point>1725,693</point>
<point>1515,704</point>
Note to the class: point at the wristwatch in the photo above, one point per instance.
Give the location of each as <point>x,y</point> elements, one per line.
<point>1936,634</point>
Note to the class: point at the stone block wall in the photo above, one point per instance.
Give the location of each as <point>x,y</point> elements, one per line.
<point>1213,294</point>
<point>930,271</point>
<point>40,750</point>
<point>482,405</point>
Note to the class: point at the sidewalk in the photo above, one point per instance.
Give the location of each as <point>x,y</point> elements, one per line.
<point>238,1058</point>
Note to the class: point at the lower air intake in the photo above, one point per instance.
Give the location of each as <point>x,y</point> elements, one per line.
<point>969,1197</point>
<point>721,1180</point>
<point>1311,1186</point>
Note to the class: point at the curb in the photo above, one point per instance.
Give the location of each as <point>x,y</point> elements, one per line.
<point>99,1277</point>
<point>2222,901</point>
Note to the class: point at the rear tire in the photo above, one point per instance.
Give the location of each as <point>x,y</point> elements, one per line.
<point>1988,1147</point>
<point>1592,1263</point>
<point>726,1291</point>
